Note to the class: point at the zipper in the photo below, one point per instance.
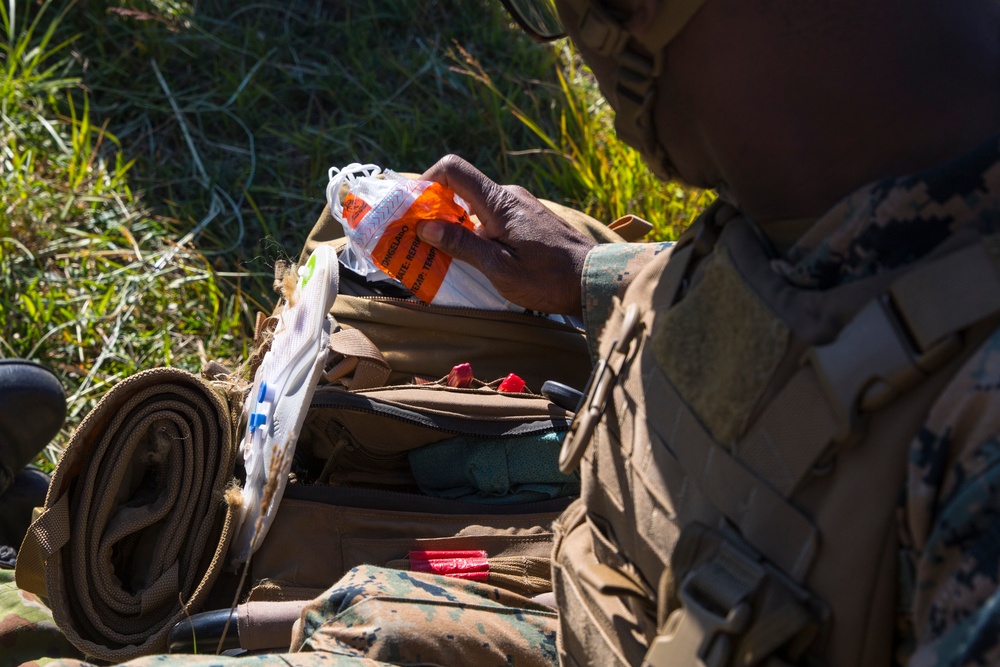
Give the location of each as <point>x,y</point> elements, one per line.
<point>480,313</point>
<point>401,501</point>
<point>453,426</point>
<point>440,423</point>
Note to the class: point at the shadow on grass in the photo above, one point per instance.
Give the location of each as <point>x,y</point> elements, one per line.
<point>236,111</point>
<point>158,156</point>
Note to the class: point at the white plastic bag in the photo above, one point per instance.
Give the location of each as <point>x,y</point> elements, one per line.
<point>380,211</point>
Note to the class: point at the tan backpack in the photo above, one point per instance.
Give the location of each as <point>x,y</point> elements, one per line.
<point>739,496</point>
<point>133,540</point>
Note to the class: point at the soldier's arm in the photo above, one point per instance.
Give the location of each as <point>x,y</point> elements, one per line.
<point>607,272</point>
<point>951,521</point>
<point>533,257</point>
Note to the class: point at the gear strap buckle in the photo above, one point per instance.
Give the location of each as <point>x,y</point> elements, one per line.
<point>598,391</point>
<point>697,633</point>
<point>731,607</point>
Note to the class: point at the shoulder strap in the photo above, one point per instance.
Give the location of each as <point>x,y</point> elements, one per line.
<point>895,341</point>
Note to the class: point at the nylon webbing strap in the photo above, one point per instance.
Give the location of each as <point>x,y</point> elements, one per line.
<point>792,434</point>
<point>676,270</point>
<point>527,575</point>
<point>703,236</point>
<point>947,296</point>
<point>134,530</point>
<point>47,534</point>
<point>784,535</point>
<point>668,23</point>
<point>360,357</point>
<point>524,575</point>
<point>887,348</point>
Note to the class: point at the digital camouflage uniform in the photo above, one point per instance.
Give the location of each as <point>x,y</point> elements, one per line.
<point>949,532</point>
<point>373,616</point>
<point>27,631</point>
<point>948,523</point>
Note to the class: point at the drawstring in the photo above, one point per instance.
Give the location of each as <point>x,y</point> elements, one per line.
<point>350,173</point>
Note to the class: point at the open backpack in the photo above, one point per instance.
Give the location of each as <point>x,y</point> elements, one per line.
<point>154,510</point>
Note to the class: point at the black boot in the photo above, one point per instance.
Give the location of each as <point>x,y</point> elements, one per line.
<point>32,410</point>
<point>25,494</point>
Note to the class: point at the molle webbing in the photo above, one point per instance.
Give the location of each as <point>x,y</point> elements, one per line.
<point>892,344</point>
<point>895,342</point>
<point>821,431</point>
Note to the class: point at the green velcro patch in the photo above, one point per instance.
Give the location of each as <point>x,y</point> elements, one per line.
<point>719,347</point>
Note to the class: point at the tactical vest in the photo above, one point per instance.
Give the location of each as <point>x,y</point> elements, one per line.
<point>739,493</point>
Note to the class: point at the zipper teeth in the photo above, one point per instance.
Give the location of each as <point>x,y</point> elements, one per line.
<point>500,315</point>
<point>376,455</point>
<point>467,507</point>
<point>417,422</point>
<point>414,422</point>
<point>398,418</point>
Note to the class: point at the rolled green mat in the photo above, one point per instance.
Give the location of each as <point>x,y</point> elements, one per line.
<point>135,526</point>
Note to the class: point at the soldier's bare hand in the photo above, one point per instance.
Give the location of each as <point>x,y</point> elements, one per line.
<point>531,255</point>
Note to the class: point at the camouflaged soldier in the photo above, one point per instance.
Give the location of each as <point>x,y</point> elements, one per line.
<point>797,460</point>
<point>797,455</point>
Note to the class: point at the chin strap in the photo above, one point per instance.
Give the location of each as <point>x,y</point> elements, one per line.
<point>635,78</point>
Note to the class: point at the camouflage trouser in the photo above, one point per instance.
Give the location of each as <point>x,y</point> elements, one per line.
<point>372,616</point>
<point>27,631</point>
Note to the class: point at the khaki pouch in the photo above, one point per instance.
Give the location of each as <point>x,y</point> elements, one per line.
<point>368,508</point>
<point>354,500</point>
<point>136,526</point>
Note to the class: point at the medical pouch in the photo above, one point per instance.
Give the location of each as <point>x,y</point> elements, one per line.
<point>360,501</point>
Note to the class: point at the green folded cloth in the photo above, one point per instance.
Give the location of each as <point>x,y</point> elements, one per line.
<point>494,471</point>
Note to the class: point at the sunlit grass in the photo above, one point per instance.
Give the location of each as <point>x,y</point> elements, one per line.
<point>92,283</point>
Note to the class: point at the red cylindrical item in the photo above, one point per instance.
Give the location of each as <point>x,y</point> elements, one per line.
<point>511,384</point>
<point>460,376</point>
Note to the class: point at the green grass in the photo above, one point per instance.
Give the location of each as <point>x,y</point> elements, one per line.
<point>158,156</point>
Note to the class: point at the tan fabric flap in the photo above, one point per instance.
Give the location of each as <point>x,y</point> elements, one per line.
<point>948,295</point>
<point>428,341</point>
<point>393,420</point>
<point>360,360</point>
<point>135,522</point>
<point>631,227</point>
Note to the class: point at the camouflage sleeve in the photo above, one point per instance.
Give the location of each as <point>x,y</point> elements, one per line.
<point>607,272</point>
<point>951,521</point>
<point>376,617</point>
